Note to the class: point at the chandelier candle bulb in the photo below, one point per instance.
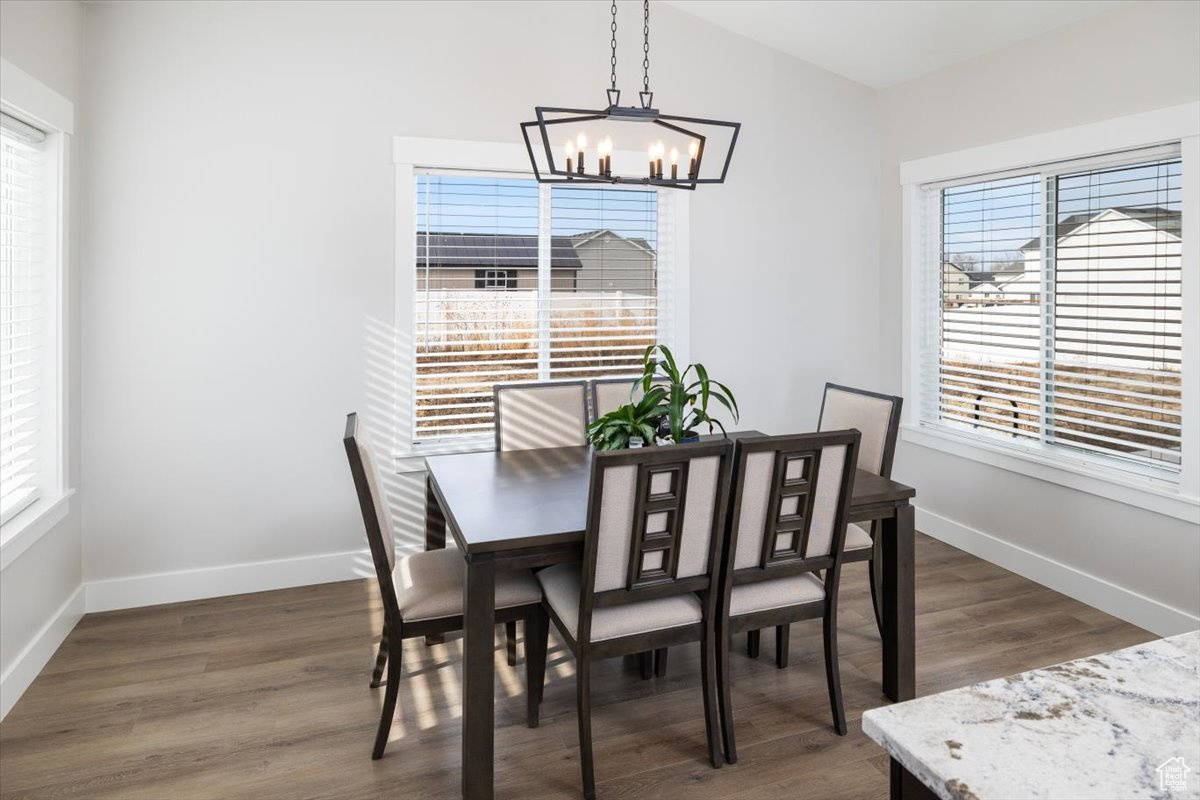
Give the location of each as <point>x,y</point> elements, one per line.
<point>569,151</point>
<point>658,151</point>
<point>674,164</point>
<point>581,144</point>
<point>693,150</point>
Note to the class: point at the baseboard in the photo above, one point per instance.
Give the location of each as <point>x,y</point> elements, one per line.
<point>1124,603</point>
<point>198,584</point>
<point>33,658</point>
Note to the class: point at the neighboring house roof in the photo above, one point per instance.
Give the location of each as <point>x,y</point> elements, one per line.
<point>587,236</point>
<point>1163,219</point>
<point>491,251</point>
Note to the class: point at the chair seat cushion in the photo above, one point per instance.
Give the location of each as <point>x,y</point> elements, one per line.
<point>858,537</point>
<point>561,586</point>
<point>793,590</point>
<point>429,585</point>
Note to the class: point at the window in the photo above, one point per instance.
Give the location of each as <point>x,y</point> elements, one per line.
<point>495,279</point>
<point>25,291</point>
<point>518,281</point>
<point>1055,320</point>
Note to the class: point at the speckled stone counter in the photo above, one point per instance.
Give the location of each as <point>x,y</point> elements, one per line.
<point>1099,727</point>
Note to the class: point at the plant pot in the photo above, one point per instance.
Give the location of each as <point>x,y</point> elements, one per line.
<point>691,436</point>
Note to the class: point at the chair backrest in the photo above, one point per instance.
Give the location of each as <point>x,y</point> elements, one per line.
<point>609,394</point>
<point>877,416</point>
<point>791,498</point>
<point>655,525</point>
<point>373,503</point>
<point>535,415</point>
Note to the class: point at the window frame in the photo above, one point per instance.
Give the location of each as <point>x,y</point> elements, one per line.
<point>29,100</point>
<point>410,155</point>
<point>1178,124</point>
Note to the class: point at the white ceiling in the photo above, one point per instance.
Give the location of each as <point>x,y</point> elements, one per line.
<point>884,42</point>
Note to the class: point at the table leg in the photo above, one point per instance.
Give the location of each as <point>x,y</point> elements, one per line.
<point>435,535</point>
<point>479,676</point>
<point>899,606</point>
<point>905,786</point>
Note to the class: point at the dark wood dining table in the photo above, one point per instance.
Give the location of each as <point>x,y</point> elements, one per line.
<point>528,508</point>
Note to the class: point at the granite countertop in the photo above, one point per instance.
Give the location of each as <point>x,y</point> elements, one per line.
<point>1098,727</point>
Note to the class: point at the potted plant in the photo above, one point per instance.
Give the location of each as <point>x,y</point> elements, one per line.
<point>626,426</point>
<point>674,406</point>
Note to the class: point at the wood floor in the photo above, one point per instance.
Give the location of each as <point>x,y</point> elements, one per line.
<point>265,696</point>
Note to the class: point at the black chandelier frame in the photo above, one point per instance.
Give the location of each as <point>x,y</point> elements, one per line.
<point>615,111</point>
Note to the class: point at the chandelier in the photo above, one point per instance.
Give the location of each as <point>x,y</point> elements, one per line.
<point>558,140</point>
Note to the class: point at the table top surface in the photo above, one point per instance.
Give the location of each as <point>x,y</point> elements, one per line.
<point>1119,724</point>
<point>527,498</point>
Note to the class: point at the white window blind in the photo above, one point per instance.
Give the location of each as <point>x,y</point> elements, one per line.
<point>516,281</point>
<point>21,305</point>
<point>1057,310</point>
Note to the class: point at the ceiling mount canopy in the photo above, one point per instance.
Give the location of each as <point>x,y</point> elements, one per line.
<point>575,145</point>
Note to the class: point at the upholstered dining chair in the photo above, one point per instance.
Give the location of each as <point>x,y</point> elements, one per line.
<point>531,415</point>
<point>649,576</point>
<point>536,415</point>
<point>423,592</point>
<point>877,417</point>
<point>787,522</point>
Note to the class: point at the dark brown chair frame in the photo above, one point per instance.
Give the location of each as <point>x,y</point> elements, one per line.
<point>636,588</point>
<point>870,555</point>
<point>395,629</point>
<point>773,565</point>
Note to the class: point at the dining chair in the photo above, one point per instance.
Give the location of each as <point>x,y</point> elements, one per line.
<point>649,575</point>
<point>423,592</point>
<point>787,522</point>
<point>877,417</point>
<point>609,394</point>
<point>536,415</point>
<point>530,415</point>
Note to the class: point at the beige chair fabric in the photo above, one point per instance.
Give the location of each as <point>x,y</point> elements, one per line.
<point>824,512</point>
<point>793,590</point>
<point>378,497</point>
<point>429,585</point>
<point>541,416</point>
<point>858,537</point>
<point>561,585</point>
<point>869,414</point>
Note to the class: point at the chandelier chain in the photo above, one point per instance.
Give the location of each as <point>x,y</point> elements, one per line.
<point>646,47</point>
<point>613,43</point>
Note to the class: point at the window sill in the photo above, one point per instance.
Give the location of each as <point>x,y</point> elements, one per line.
<point>1145,493</point>
<point>414,460</point>
<point>31,524</point>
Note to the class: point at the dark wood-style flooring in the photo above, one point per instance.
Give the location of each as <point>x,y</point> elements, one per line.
<point>265,696</point>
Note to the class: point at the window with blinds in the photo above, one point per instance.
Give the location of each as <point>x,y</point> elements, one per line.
<point>1059,310</point>
<point>521,282</point>
<point>21,306</point>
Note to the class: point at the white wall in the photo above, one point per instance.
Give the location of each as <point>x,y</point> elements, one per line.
<point>39,591</point>
<point>239,228</point>
<point>1132,562</point>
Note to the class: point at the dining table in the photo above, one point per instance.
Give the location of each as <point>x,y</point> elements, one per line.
<point>528,508</point>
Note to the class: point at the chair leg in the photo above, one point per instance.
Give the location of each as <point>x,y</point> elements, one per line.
<point>832,672</point>
<point>752,638</point>
<point>660,662</point>
<point>380,659</point>
<point>708,683</point>
<point>646,663</point>
<point>583,692</point>
<point>510,641</point>
<point>537,631</point>
<point>723,680</point>
<point>781,645</point>
<point>389,700</point>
